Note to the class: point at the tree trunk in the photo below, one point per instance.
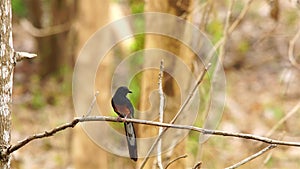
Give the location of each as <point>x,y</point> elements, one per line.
<point>6,80</point>
<point>90,16</point>
<point>54,49</point>
<point>170,87</point>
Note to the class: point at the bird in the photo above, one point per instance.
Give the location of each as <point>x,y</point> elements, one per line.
<point>123,107</point>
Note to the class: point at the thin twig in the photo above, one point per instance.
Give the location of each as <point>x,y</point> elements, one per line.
<point>252,157</point>
<point>267,159</point>
<point>199,80</point>
<point>198,165</point>
<point>291,50</point>
<point>284,119</point>
<point>19,56</point>
<point>153,123</point>
<point>53,131</point>
<point>226,30</point>
<point>240,17</point>
<point>222,42</point>
<point>232,27</point>
<point>92,105</point>
<point>205,14</point>
<point>45,134</point>
<point>161,113</point>
<point>269,156</point>
<point>174,160</point>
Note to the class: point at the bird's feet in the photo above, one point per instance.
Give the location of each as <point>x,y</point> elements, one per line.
<point>125,118</point>
<point>120,118</point>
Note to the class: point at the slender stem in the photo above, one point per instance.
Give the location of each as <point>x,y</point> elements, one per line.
<point>244,161</point>
<point>178,158</point>
<point>200,78</point>
<point>197,165</point>
<point>161,113</point>
<point>284,119</point>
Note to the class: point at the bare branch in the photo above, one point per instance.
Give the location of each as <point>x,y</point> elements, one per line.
<point>75,121</point>
<point>49,133</point>
<point>199,80</point>
<point>205,14</point>
<point>226,30</point>
<point>232,27</point>
<point>284,119</point>
<point>53,131</point>
<point>161,113</point>
<point>240,17</point>
<point>19,56</point>
<point>252,156</point>
<point>178,158</point>
<point>92,105</point>
<point>268,157</point>
<point>193,128</point>
<point>198,165</point>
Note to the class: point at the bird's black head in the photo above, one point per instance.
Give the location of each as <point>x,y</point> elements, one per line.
<point>123,90</point>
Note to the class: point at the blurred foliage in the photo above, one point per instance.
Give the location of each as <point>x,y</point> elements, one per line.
<point>48,91</point>
<point>59,160</point>
<point>139,43</point>
<point>137,6</point>
<point>193,143</point>
<point>38,100</point>
<point>135,86</point>
<point>19,8</point>
<point>243,46</point>
<point>63,75</point>
<point>270,163</point>
<point>292,17</point>
<point>275,111</point>
<point>238,6</point>
<point>215,29</point>
<point>117,126</point>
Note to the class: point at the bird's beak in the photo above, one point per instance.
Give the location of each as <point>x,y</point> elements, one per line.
<point>130,91</point>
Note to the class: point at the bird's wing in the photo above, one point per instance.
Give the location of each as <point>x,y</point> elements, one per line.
<point>122,110</point>
<point>131,109</point>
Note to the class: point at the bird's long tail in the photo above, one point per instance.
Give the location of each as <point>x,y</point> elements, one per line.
<point>131,140</point>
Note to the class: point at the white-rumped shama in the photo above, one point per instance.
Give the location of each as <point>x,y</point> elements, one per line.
<point>123,107</point>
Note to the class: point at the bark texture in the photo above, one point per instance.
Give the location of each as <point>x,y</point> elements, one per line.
<point>6,80</point>
<point>53,22</point>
